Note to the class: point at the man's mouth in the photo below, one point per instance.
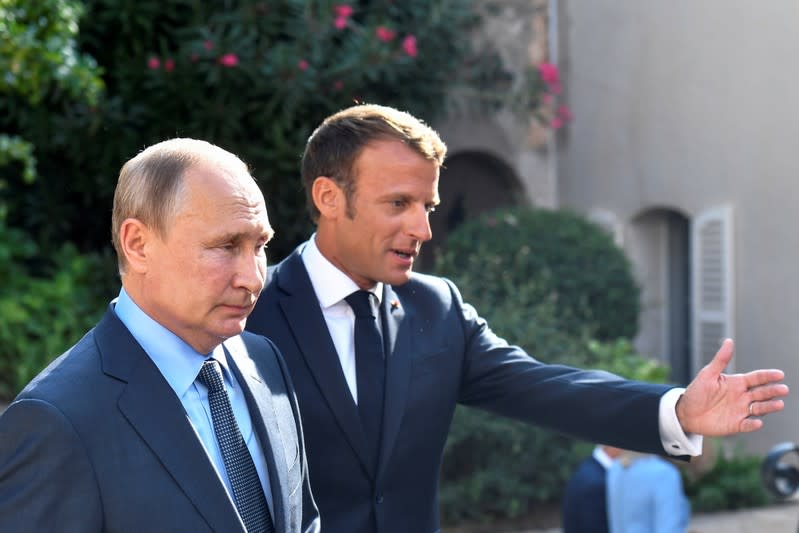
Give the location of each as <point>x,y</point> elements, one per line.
<point>405,254</point>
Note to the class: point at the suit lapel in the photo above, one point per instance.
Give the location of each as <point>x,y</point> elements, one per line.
<point>151,407</point>
<point>398,370</point>
<point>259,401</point>
<point>301,309</point>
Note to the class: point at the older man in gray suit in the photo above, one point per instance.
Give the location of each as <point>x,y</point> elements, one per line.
<point>165,416</point>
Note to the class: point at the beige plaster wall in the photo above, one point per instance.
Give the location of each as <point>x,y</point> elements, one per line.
<point>688,105</point>
<point>517,29</point>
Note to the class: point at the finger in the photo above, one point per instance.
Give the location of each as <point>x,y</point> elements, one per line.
<point>766,407</point>
<point>768,392</point>
<point>748,425</point>
<point>762,377</point>
<point>722,357</point>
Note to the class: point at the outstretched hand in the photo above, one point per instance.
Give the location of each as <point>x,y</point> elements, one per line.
<point>717,404</point>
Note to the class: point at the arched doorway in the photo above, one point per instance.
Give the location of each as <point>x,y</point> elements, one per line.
<point>471,182</point>
<point>660,249</point>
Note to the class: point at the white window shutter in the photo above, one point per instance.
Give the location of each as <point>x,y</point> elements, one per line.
<point>712,283</point>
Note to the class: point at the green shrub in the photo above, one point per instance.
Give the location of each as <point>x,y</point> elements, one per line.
<point>570,261</point>
<point>734,482</point>
<point>252,76</point>
<point>41,315</point>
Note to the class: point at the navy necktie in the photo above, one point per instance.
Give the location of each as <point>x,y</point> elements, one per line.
<point>247,490</point>
<point>370,368</point>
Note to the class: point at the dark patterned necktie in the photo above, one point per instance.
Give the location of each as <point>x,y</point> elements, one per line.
<point>247,490</point>
<point>370,369</point>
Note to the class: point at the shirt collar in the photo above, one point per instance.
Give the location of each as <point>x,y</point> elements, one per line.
<point>178,362</point>
<point>330,284</point>
<point>602,458</point>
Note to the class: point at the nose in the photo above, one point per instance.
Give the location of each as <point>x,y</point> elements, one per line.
<point>419,225</point>
<point>251,271</point>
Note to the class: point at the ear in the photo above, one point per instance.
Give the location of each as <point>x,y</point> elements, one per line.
<point>328,197</point>
<point>133,238</point>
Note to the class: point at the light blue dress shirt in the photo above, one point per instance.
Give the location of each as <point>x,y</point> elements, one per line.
<point>646,496</point>
<point>179,363</point>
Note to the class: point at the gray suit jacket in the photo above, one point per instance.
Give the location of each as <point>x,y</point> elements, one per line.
<point>100,442</point>
<point>439,353</point>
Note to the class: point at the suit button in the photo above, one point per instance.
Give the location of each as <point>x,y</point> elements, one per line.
<point>379,499</point>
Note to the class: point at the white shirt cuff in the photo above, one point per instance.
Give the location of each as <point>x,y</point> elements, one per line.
<point>675,440</point>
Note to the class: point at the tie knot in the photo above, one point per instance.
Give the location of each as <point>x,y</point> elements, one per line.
<point>359,302</point>
<point>211,376</point>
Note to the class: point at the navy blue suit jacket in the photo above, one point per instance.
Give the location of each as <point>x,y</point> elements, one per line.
<point>439,353</point>
<point>99,441</point>
<point>584,501</point>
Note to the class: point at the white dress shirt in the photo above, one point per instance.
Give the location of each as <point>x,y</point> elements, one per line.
<point>331,286</point>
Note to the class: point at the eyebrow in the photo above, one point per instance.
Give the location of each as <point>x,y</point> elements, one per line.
<point>239,236</point>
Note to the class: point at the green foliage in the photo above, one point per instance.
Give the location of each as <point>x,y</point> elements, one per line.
<point>38,52</point>
<point>14,149</point>
<point>39,57</point>
<point>254,77</point>
<point>44,308</point>
<point>734,482</point>
<point>619,357</point>
<point>559,255</point>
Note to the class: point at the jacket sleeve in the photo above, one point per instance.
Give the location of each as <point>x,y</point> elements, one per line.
<point>592,405</point>
<point>46,480</point>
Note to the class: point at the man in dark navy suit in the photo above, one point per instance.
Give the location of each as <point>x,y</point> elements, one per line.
<point>166,416</point>
<point>584,506</point>
<point>380,356</point>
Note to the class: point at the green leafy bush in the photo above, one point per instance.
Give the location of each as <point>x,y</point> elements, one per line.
<point>252,76</point>
<point>734,482</point>
<point>570,261</point>
<point>42,314</point>
<point>39,57</point>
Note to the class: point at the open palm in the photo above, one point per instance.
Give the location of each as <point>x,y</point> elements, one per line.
<point>717,404</point>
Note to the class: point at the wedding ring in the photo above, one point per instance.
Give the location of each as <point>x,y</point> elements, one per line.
<point>751,404</point>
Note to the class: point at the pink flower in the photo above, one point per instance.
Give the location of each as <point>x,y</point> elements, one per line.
<point>153,63</point>
<point>302,64</point>
<point>555,88</point>
<point>228,60</point>
<point>549,73</point>
<point>169,65</point>
<point>343,11</point>
<point>340,23</point>
<point>565,113</point>
<point>556,123</point>
<point>409,45</point>
<point>546,98</point>
<point>385,34</point>
<point>338,85</point>
<point>208,44</point>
